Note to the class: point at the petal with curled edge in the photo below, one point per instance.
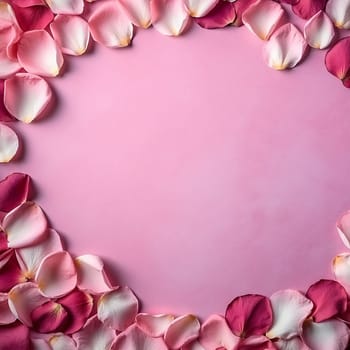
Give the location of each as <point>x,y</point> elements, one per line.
<point>62,342</point>
<point>241,6</point>
<point>9,143</point>
<point>66,7</point>
<point>341,269</point>
<point>295,343</point>
<point>308,8</point>
<point>339,12</point>
<point>343,228</point>
<point>6,315</point>
<point>15,337</point>
<point>153,325</point>
<point>199,8</point>
<point>138,11</point>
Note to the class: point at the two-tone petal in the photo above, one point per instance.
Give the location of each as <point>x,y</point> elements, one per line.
<point>138,11</point>
<point>308,8</point>
<point>199,8</point>
<point>9,144</point>
<point>66,7</point>
<point>6,315</point>
<point>339,12</point>
<point>153,325</point>
<point>341,269</point>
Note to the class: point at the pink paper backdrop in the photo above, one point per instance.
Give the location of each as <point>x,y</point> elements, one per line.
<point>194,170</point>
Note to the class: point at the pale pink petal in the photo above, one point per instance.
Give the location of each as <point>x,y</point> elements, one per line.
<point>308,8</point>
<point>8,143</point>
<point>182,331</point>
<point>154,325</point>
<point>286,48</point>
<point>343,228</point>
<point>195,345</point>
<point>169,17</point>
<point>94,335</point>
<point>26,96</point>
<point>215,333</point>
<point>40,344</point>
<point>23,299</point>
<point>291,344</point>
<point>118,308</point>
<point>8,66</point>
<point>110,26</point>
<point>133,338</point>
<point>138,11</point>
<point>91,274</point>
<point>6,315</point>
<point>290,309</point>
<point>25,225</point>
<point>258,342</point>
<point>263,17</point>
<point>30,257</point>
<point>319,31</point>
<point>339,12</point>
<point>56,275</point>
<point>66,7</point>
<point>341,269</point>
<point>199,8</point>
<point>328,335</point>
<point>7,14</point>
<point>39,54</point>
<point>72,34</point>
<point>62,342</point>
<point>241,6</point>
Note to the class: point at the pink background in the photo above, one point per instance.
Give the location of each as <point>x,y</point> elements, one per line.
<point>194,170</point>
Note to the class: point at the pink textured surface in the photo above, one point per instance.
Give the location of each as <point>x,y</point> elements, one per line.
<point>194,170</point>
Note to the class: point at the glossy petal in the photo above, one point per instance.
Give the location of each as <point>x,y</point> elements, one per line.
<point>8,143</point>
<point>339,12</point>
<point>66,7</point>
<point>263,17</point>
<point>27,3</point>
<point>328,335</point>
<point>94,335</point>
<point>290,309</point>
<point>39,54</point>
<point>62,342</point>
<point>241,6</point>
<point>169,17</point>
<point>118,308</point>
<point>285,49</point>
<point>291,344</point>
<point>72,34</point>
<point>153,325</point>
<point>8,66</point>
<point>308,8</point>
<point>91,274</point>
<point>15,336</point>
<point>343,228</point>
<point>215,333</point>
<point>110,26</point>
<point>26,96</point>
<point>330,299</point>
<point>199,8</point>
<point>249,315</point>
<point>7,14</point>
<point>319,31</point>
<point>25,225</point>
<point>10,272</point>
<point>341,269</point>
<point>138,11</point>
<point>182,331</point>
<point>6,315</point>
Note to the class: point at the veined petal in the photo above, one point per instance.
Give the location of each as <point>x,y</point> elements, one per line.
<point>308,8</point>
<point>182,331</point>
<point>319,31</point>
<point>25,225</point>
<point>8,143</point>
<point>341,269</point>
<point>110,26</point>
<point>26,96</point>
<point>241,6</point>
<point>290,309</point>
<point>339,12</point>
<point>62,342</point>
<point>199,8</point>
<point>15,336</point>
<point>66,7</point>
<point>285,49</point>
<point>39,54</point>
<point>72,34</point>
<point>169,17</point>
<point>343,228</point>
<point>91,274</point>
<point>291,344</point>
<point>118,308</point>
<point>138,11</point>
<point>153,325</point>
<point>328,335</point>
<point>6,315</point>
<point>94,335</point>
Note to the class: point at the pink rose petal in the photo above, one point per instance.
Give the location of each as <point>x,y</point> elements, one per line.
<point>285,49</point>
<point>195,345</point>
<point>241,6</point>
<point>62,342</point>
<point>339,12</point>
<point>8,144</point>
<point>341,269</point>
<point>199,8</point>
<point>110,26</point>
<point>6,315</point>
<point>27,3</point>
<point>26,96</point>
<point>308,8</point>
<point>182,331</point>
<point>343,228</point>
<point>169,17</point>
<point>292,344</point>
<point>39,54</point>
<point>290,309</point>
<point>138,11</point>
<point>256,343</point>
<point>40,344</point>
<point>10,272</point>
<point>7,14</point>
<point>118,308</point>
<point>153,325</point>
<point>4,114</point>
<point>56,275</point>
<point>66,7</point>
<point>15,337</point>
<point>249,315</point>
<point>8,66</point>
<point>72,34</point>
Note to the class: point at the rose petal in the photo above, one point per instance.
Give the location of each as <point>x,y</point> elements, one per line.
<point>199,8</point>
<point>66,7</point>
<point>290,309</point>
<point>39,54</point>
<point>286,48</point>
<point>328,335</point>
<point>182,331</point>
<point>40,344</point>
<point>118,308</point>
<point>249,315</point>
<point>241,6</point>
<point>15,336</point>
<point>110,26</point>
<point>308,8</point>
<point>8,66</point>
<point>27,3</point>
<point>343,228</point>
<point>215,333</point>
<point>94,335</point>
<point>330,299</point>
<point>196,345</point>
<point>7,14</point>
<point>56,275</point>
<point>62,342</point>
<point>72,34</point>
<point>6,315</point>
<point>256,343</point>
<point>339,12</point>
<point>138,11</point>
<point>10,273</point>
<point>8,144</point>
<point>341,269</point>
<point>153,325</point>
<point>4,114</point>
<point>91,274</point>
<point>292,344</point>
<point>169,17</point>
<point>319,31</point>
